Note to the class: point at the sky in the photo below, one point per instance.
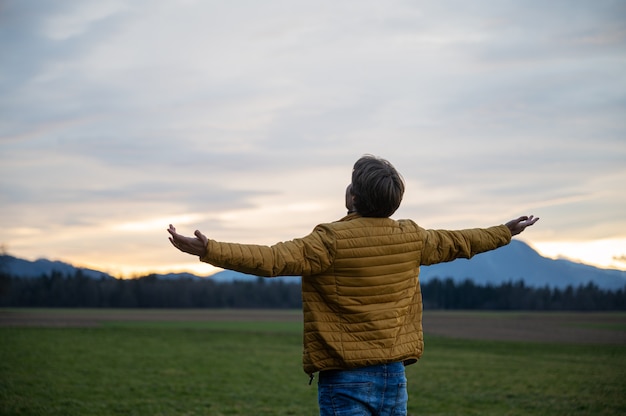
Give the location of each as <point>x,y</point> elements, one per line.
<point>243,119</point>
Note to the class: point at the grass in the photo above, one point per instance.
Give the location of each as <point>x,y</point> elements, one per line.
<point>252,368</point>
<point>156,370</point>
<point>458,377</point>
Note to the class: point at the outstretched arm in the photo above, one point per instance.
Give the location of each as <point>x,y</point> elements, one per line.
<point>301,256</point>
<point>191,245</point>
<point>519,224</point>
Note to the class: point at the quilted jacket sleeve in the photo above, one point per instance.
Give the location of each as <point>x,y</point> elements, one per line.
<point>442,246</point>
<point>312,254</point>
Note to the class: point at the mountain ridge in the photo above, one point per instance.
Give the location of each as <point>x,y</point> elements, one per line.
<point>518,261</point>
<point>18,267</point>
<point>514,262</point>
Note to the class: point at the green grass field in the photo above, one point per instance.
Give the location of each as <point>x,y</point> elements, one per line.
<point>254,368</point>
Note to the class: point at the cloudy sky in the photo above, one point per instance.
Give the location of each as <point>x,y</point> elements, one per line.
<point>243,119</point>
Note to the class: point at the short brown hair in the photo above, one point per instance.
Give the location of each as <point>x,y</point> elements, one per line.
<point>376,186</point>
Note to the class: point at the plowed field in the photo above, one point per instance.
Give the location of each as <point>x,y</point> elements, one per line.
<point>577,328</point>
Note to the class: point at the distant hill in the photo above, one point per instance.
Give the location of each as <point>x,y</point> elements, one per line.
<point>24,268</point>
<point>514,262</point>
<point>224,276</point>
<point>518,261</point>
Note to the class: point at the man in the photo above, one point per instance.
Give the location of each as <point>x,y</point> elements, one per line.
<point>361,296</point>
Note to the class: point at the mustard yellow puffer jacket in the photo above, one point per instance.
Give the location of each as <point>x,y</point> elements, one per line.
<point>361,296</point>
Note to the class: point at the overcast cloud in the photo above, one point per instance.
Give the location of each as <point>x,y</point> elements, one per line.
<point>243,119</point>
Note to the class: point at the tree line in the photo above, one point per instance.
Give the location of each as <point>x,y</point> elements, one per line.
<point>78,290</point>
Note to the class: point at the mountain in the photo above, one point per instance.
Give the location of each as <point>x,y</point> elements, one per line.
<point>514,262</point>
<point>23,268</point>
<point>518,261</point>
<point>224,276</point>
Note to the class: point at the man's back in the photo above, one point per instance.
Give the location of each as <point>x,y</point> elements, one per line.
<point>365,309</point>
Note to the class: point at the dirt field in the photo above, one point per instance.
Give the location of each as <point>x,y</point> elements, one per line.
<point>571,328</point>
<point>577,328</point>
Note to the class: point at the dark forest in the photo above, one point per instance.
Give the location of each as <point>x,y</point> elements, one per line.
<point>68,291</point>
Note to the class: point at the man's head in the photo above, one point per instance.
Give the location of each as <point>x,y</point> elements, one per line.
<point>377,188</point>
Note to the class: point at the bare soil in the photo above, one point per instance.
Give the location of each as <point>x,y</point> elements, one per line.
<point>557,327</point>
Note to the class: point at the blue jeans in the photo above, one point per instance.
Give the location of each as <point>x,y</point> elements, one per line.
<point>379,390</point>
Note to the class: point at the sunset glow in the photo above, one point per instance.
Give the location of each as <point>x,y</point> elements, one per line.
<point>244,122</point>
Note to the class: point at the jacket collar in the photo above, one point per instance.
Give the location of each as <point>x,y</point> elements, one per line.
<point>350,216</point>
